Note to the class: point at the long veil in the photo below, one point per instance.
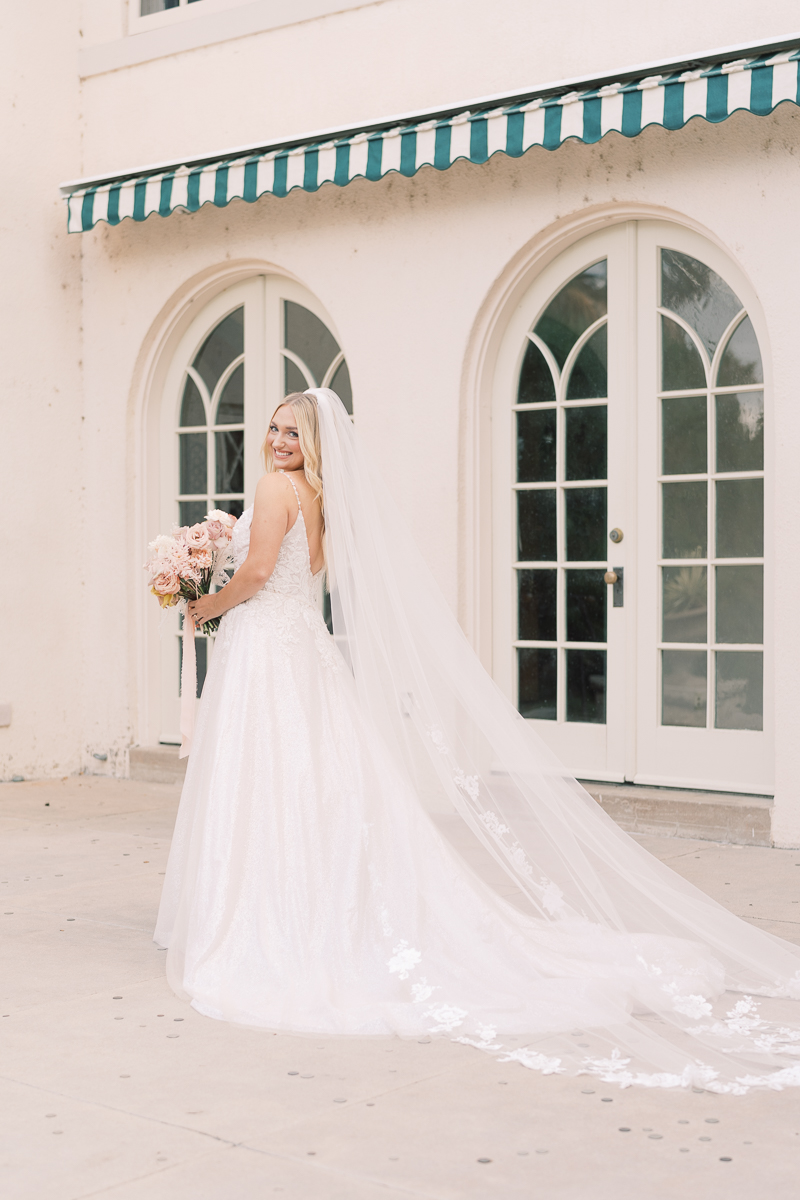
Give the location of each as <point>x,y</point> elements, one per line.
<point>728,1025</point>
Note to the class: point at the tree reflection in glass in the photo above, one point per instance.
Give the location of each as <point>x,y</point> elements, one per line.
<point>699,295</point>
<point>578,305</point>
<point>563,524</point>
<point>713,311</point>
<point>740,431</point>
<point>684,604</point>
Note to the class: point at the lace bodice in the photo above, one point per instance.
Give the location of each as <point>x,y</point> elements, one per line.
<point>289,600</point>
<point>292,573</point>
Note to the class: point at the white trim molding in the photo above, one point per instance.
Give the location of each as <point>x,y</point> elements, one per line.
<point>191,27</point>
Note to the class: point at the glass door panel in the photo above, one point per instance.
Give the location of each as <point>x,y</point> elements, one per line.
<point>564,657</point>
<point>703,660</point>
<point>561,445</point>
<point>724,432</point>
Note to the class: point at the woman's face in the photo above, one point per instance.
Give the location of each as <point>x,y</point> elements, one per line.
<point>284,441</point>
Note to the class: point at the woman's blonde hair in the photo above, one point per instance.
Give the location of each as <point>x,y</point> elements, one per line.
<point>305,414</point>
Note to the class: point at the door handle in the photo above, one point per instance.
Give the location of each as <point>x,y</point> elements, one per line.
<point>615,577</point>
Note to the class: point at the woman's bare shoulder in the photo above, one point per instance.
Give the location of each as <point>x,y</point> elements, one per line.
<point>272,491</point>
<point>273,483</point>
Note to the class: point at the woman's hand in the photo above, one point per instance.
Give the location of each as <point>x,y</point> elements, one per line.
<point>203,609</point>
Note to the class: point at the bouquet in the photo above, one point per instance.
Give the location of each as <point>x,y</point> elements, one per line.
<point>183,566</point>
<point>186,564</point>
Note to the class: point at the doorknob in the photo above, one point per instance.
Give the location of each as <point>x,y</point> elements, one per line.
<point>616,535</point>
<point>615,578</point>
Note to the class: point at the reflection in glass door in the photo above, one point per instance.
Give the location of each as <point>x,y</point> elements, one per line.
<point>211,434</point>
<point>311,355</point>
<point>712,502</point>
<point>562,402</point>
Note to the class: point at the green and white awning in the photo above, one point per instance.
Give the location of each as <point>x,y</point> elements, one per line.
<point>712,90</point>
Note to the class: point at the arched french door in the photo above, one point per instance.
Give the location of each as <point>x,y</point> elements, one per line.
<point>251,345</point>
<point>629,566</point>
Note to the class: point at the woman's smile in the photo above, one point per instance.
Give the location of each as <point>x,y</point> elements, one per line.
<point>283,439</point>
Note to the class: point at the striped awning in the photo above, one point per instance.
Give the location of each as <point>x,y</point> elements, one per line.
<point>711,90</point>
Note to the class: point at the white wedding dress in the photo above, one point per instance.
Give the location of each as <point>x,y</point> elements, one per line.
<point>309,890</point>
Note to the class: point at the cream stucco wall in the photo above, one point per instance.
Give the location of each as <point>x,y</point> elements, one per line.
<point>417,275</point>
<point>41,398</point>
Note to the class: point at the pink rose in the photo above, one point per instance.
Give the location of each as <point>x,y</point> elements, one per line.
<point>196,538</point>
<point>220,534</point>
<point>166,583</point>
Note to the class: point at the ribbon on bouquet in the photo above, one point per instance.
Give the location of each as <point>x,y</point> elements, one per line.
<point>188,687</point>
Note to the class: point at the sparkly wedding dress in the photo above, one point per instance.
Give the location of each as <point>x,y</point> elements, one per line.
<point>310,888</point>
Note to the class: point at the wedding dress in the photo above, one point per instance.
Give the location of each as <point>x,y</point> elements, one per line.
<point>310,888</point>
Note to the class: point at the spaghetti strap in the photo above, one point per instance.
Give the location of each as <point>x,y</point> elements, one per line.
<point>296,493</point>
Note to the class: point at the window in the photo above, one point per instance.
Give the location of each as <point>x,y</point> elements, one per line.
<point>176,26</point>
<point>148,7</point>
<point>150,16</point>
<point>712,502</point>
<point>311,355</point>
<point>561,488</point>
<point>211,434</point>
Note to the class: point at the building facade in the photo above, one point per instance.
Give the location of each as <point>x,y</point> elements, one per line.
<point>547,259</point>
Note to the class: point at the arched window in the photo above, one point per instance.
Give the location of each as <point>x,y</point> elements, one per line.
<point>311,355</point>
<point>211,434</point>
<point>250,346</point>
<point>628,498</point>
<point>561,436</point>
<point>712,502</point>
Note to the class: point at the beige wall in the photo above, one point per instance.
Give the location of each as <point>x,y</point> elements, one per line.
<point>42,615</point>
<point>410,271</point>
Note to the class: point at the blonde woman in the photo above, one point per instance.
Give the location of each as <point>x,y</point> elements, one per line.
<point>291,487</point>
<point>309,887</point>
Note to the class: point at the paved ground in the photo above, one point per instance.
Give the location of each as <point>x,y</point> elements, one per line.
<point>112,1087</point>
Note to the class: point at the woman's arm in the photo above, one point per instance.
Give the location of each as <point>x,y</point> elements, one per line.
<point>271,515</point>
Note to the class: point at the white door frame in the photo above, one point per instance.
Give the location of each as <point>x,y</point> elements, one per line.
<point>589,750</point>
<point>732,760</point>
<point>633,746</point>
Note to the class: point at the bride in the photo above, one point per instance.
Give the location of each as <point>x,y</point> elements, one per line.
<point>310,887</point>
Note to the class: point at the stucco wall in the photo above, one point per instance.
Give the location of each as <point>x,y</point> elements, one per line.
<point>42,614</point>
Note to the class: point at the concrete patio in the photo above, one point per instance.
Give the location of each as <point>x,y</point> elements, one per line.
<point>112,1087</point>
